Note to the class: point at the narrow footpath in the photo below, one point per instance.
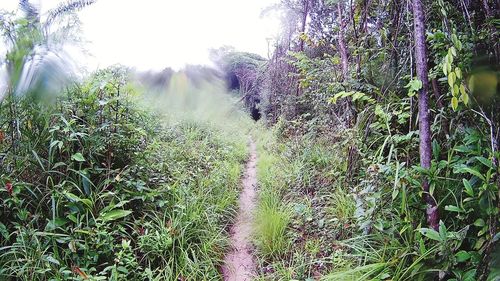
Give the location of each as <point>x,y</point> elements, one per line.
<point>239,263</point>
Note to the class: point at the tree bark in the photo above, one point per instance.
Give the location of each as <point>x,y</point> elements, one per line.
<point>486,8</point>
<point>423,109</point>
<point>303,27</point>
<point>341,42</point>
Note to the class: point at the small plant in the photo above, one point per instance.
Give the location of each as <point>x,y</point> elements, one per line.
<point>342,205</point>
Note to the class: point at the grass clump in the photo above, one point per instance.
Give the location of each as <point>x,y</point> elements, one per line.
<point>271,222</point>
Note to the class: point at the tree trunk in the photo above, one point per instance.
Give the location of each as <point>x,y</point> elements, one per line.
<point>486,8</point>
<point>301,39</point>
<point>341,42</point>
<point>303,27</point>
<point>423,109</point>
<point>344,56</point>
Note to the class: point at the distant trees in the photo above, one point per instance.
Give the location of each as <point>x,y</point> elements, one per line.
<point>243,72</point>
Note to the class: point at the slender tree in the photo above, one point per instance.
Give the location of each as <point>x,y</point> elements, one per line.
<point>341,42</point>
<point>423,109</point>
<point>305,12</point>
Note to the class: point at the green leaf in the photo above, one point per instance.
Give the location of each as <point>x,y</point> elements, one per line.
<point>452,208</point>
<point>436,149</point>
<point>87,203</point>
<point>354,95</point>
<point>479,223</point>
<point>462,256</point>
<point>485,162</point>
<point>471,171</point>
<point>54,143</point>
<point>451,79</point>
<point>462,89</point>
<point>430,233</point>
<point>51,259</point>
<point>468,188</point>
<point>38,160</point>
<point>453,51</point>
<point>78,157</point>
<point>321,223</point>
<point>454,103</point>
<point>496,237</point>
<point>458,72</point>
<point>479,243</point>
<point>443,232</point>
<point>395,193</point>
<point>395,190</point>
<point>463,148</point>
<point>464,95</point>
<point>114,215</point>
<point>470,275</point>
<point>3,231</point>
<point>72,197</point>
<point>482,231</point>
<point>53,224</point>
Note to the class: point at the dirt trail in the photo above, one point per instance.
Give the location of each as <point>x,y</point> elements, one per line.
<point>238,263</point>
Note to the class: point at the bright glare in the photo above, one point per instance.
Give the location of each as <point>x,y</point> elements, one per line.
<point>154,34</point>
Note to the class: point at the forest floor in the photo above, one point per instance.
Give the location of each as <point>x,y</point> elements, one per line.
<point>239,262</point>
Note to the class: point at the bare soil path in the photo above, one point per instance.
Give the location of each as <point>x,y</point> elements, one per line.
<point>239,263</point>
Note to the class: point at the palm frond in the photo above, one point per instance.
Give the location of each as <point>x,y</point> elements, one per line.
<point>66,8</point>
<point>31,11</point>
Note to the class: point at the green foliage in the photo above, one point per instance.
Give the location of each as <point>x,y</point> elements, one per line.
<point>355,96</point>
<point>365,204</point>
<point>100,187</point>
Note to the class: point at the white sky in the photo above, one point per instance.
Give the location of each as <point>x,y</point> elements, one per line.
<point>154,34</point>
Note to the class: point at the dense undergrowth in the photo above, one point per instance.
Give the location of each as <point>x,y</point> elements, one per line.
<point>316,220</point>
<point>97,186</point>
<point>383,163</point>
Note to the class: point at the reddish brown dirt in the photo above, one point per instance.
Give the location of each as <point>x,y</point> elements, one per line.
<point>239,263</point>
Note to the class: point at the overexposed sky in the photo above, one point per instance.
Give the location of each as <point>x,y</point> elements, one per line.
<point>154,34</point>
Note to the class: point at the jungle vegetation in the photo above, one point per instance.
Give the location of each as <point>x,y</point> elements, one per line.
<point>377,125</point>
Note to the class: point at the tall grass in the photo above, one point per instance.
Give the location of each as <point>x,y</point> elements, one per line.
<point>273,216</point>
<point>271,222</point>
